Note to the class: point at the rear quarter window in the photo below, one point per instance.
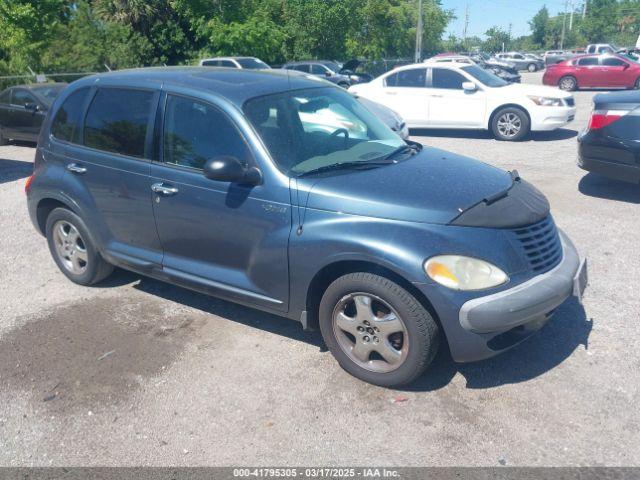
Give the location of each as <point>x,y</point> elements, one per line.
<point>66,123</point>
<point>117,121</point>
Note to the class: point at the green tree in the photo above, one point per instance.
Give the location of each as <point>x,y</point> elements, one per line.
<point>539,24</point>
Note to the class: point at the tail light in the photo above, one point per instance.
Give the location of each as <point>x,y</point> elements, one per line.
<point>602,118</point>
<point>27,184</point>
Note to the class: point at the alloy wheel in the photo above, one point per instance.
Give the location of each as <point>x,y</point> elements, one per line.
<point>509,125</point>
<point>370,332</point>
<point>567,84</point>
<point>70,247</point>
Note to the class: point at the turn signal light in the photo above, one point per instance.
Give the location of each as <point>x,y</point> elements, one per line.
<point>27,184</point>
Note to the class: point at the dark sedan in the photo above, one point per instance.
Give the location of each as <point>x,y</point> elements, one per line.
<point>610,144</point>
<point>23,109</point>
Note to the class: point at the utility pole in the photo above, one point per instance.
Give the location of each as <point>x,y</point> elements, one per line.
<point>564,22</point>
<point>466,25</point>
<point>584,9</point>
<point>419,31</point>
<point>571,16</point>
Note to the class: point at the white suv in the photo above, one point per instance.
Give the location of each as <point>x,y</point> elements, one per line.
<point>249,63</point>
<point>451,95</point>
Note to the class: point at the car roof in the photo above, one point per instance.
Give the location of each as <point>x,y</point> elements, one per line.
<point>236,85</point>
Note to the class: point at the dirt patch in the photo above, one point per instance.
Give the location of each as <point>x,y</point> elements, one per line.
<point>96,352</point>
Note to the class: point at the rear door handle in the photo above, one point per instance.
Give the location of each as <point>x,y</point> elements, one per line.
<point>390,92</point>
<point>75,168</point>
<point>162,189</point>
<point>436,96</point>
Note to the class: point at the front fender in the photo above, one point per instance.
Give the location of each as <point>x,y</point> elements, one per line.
<point>401,247</point>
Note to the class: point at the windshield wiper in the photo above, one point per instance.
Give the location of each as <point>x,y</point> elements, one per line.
<point>408,147</point>
<point>346,165</point>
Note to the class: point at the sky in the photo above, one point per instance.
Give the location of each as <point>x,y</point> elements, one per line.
<point>483,14</point>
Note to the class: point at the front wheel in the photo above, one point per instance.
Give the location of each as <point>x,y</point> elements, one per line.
<point>510,124</point>
<point>377,330</point>
<point>73,249</point>
<point>637,84</point>
<point>532,67</point>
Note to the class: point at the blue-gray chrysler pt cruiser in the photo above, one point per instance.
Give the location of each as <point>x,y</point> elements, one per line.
<point>282,192</point>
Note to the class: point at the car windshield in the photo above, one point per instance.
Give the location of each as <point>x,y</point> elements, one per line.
<point>311,129</point>
<point>485,77</point>
<point>49,92</point>
<point>252,63</point>
<point>334,67</point>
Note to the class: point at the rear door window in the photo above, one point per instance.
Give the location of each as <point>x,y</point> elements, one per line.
<point>210,63</point>
<point>228,64</point>
<point>413,78</point>
<point>21,98</point>
<point>117,121</point>
<point>447,79</point>
<point>195,132</point>
<point>66,123</point>
<point>585,62</point>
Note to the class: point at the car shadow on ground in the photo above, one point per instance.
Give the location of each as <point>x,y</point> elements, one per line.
<point>228,310</point>
<point>595,185</point>
<point>12,170</point>
<point>566,331</point>
<point>559,134</point>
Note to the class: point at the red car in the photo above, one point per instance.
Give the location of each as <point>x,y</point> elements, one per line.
<point>593,71</point>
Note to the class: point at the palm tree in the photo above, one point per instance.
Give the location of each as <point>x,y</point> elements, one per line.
<point>137,13</point>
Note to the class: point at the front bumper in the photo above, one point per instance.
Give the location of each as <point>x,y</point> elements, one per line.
<point>550,118</point>
<point>494,323</point>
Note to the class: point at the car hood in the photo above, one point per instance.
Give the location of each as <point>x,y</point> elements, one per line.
<point>351,65</point>
<point>538,90</point>
<point>433,186</point>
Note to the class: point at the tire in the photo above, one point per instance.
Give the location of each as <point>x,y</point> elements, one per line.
<point>568,83</point>
<point>397,344</point>
<point>636,86</point>
<point>73,248</point>
<point>510,124</point>
<point>532,67</point>
<point>3,140</point>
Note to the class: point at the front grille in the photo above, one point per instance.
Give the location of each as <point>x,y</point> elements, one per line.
<point>541,244</point>
<point>570,102</point>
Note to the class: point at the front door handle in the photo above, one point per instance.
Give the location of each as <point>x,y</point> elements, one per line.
<point>162,189</point>
<point>75,168</point>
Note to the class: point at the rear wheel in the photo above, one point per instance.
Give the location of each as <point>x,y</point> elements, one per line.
<point>510,124</point>
<point>377,330</point>
<point>3,140</point>
<point>73,249</point>
<point>532,67</point>
<point>568,83</point>
<point>637,84</point>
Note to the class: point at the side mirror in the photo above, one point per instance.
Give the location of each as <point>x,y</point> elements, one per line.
<point>226,168</point>
<point>469,87</point>
<point>328,73</point>
<point>625,66</point>
<point>33,107</point>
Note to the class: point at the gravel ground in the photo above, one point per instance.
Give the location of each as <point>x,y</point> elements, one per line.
<point>136,372</point>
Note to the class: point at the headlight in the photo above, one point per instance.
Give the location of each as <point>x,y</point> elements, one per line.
<point>546,101</point>
<point>464,273</point>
